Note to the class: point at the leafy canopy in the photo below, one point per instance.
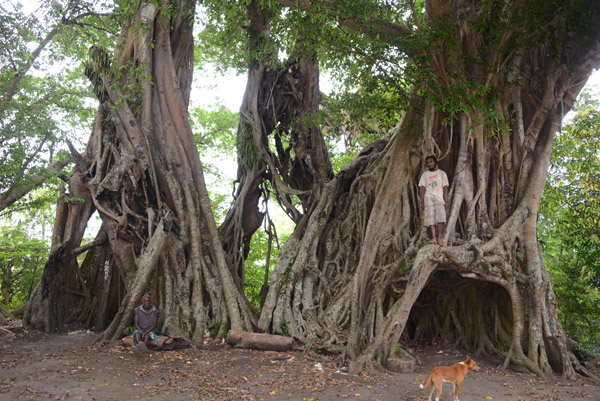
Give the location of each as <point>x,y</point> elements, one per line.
<point>22,259</point>
<point>44,96</point>
<point>569,228</point>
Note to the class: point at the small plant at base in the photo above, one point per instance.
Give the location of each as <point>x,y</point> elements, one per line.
<point>216,328</point>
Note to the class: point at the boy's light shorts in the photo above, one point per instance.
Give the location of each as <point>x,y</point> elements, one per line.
<point>435,211</point>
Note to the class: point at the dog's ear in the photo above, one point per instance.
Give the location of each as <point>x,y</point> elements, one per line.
<point>468,358</point>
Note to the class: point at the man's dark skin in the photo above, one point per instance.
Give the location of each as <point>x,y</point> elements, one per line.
<point>436,232</point>
<point>144,335</point>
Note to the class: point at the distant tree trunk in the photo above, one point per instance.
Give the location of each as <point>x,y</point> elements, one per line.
<point>279,105</point>
<point>142,173</point>
<point>355,275</point>
<point>6,282</point>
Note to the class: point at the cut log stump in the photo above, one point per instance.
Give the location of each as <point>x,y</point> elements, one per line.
<point>401,365</point>
<point>259,341</point>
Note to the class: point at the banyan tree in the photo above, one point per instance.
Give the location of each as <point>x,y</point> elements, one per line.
<point>483,85</point>
<point>141,172</point>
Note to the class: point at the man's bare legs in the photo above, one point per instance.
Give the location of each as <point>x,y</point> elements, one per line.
<point>139,337</point>
<point>433,234</point>
<point>436,233</point>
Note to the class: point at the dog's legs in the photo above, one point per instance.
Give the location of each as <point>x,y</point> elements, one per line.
<point>458,385</point>
<point>438,390</point>
<point>431,392</point>
<point>454,392</point>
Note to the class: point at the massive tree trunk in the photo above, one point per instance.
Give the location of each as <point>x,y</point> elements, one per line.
<point>354,276</point>
<point>141,172</point>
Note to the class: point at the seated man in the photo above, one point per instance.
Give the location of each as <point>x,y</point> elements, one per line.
<point>146,318</point>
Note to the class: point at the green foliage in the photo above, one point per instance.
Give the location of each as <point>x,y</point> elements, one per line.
<point>246,148</point>
<point>354,60</point>
<point>22,259</point>
<point>214,129</point>
<point>284,328</point>
<point>222,39</point>
<point>399,353</point>
<point>578,308</point>
<point>36,205</point>
<point>24,247</point>
<point>214,329</point>
<point>340,160</point>
<point>127,330</point>
<point>74,200</point>
<point>215,132</point>
<point>255,263</point>
<point>343,145</point>
<point>43,97</point>
<point>569,228</point>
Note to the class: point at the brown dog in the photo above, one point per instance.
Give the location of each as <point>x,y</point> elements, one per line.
<point>454,374</point>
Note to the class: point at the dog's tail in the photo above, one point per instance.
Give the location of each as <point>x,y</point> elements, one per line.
<point>426,382</point>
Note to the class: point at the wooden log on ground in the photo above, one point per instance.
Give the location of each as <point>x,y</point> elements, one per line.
<point>259,341</point>
<point>127,341</point>
<point>401,365</point>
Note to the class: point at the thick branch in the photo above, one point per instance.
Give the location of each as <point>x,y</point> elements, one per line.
<point>373,28</point>
<point>20,73</point>
<point>15,193</point>
<point>101,240</point>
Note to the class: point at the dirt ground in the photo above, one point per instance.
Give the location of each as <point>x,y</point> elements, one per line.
<point>37,366</point>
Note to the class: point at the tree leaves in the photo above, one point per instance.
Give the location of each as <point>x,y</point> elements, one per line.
<point>568,226</point>
<point>43,95</point>
<point>22,259</point>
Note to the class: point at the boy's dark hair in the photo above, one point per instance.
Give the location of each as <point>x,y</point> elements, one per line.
<point>431,157</point>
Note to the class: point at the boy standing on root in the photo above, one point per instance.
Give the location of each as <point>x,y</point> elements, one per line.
<point>434,192</point>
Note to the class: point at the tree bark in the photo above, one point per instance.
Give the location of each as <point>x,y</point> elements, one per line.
<point>350,275</point>
<point>280,101</point>
<point>142,173</point>
<point>259,341</point>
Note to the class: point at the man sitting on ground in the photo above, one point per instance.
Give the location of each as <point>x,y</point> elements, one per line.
<point>146,318</point>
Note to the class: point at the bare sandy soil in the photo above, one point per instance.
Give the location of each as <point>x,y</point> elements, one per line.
<point>36,366</point>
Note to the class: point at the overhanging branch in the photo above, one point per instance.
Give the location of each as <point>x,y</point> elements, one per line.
<point>372,27</point>
<point>101,240</point>
<point>16,192</point>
